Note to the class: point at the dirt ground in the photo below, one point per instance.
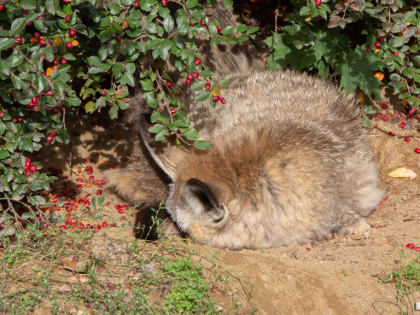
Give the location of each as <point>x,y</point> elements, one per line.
<point>336,276</point>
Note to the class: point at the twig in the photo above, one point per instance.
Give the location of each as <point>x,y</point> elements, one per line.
<point>379,124</point>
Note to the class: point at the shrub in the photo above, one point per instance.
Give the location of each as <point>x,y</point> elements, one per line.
<point>58,56</point>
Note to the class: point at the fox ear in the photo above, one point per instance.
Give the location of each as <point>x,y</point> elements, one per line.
<point>166,155</point>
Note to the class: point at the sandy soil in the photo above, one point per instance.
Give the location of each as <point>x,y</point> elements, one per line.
<point>336,276</point>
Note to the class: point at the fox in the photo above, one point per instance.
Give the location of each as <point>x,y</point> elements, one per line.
<point>289,162</point>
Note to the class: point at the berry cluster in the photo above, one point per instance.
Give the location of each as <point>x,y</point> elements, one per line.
<point>412,246</point>
<point>29,167</point>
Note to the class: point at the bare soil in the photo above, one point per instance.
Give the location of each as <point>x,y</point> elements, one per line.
<point>335,276</point>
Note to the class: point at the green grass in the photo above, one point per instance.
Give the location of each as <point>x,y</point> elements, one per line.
<point>406,279</point>
<point>58,272</point>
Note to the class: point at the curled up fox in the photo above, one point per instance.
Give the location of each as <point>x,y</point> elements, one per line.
<point>289,162</point>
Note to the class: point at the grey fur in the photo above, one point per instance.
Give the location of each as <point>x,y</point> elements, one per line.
<point>289,162</point>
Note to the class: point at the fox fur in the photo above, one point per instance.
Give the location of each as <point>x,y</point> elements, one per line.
<point>289,162</point>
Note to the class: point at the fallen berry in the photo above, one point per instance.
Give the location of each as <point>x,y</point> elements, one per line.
<point>410,245</point>
<point>99,192</point>
<point>216,98</point>
<point>89,170</point>
<point>222,100</point>
<point>104,224</point>
<point>391,133</point>
<point>417,249</point>
<point>402,125</point>
<point>417,150</point>
<point>407,139</point>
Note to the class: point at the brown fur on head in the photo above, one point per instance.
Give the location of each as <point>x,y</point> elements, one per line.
<point>289,162</point>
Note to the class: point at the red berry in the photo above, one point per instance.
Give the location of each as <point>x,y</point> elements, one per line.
<point>55,62</point>
<point>66,1</point>
<point>169,84</point>
<point>222,100</point>
<point>50,139</point>
<point>318,3</point>
<point>1,7</point>
<point>34,100</point>
<point>407,139</point>
<point>63,60</point>
<point>402,125</point>
<point>376,44</point>
<point>202,22</point>
<point>410,245</point>
<point>91,178</point>
<point>63,226</point>
<point>412,111</point>
<point>391,133</point>
<point>37,35</point>
<point>1,114</point>
<point>53,133</point>
<point>49,93</point>
<point>99,192</point>
<point>28,23</point>
<point>72,32</point>
<point>27,173</point>
<point>104,92</point>
<point>216,98</point>
<point>417,248</point>
<point>27,162</point>
<point>192,23</point>
<point>50,43</point>
<point>218,28</point>
<point>197,61</point>
<point>69,45</point>
<point>118,39</point>
<point>104,224</point>
<point>207,86</point>
<point>417,150</point>
<point>196,74</point>
<point>79,186</point>
<point>18,40</point>
<point>33,168</point>
<point>31,86</point>
<point>43,42</point>
<point>67,18</point>
<point>136,3</point>
<point>188,81</point>
<point>36,108</point>
<point>395,53</point>
<point>172,111</point>
<point>89,170</point>
<point>164,3</point>
<point>189,76</point>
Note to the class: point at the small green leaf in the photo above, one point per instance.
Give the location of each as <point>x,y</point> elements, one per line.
<point>202,97</point>
<point>192,134</point>
<point>6,43</point>
<point>168,24</point>
<point>147,85</point>
<point>17,26</point>
<point>156,128</point>
<point>202,145</point>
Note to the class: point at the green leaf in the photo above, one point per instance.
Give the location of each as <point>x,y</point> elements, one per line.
<point>206,73</point>
<point>37,200</point>
<point>228,3</point>
<point>113,112</point>
<point>156,128</point>
<point>17,26</point>
<point>51,6</point>
<point>147,85</point>
<point>94,61</point>
<point>305,10</point>
<point>90,107</point>
<point>202,145</point>
<point>192,134</point>
<point>122,105</point>
<point>202,97</point>
<point>227,30</point>
<point>168,24</point>
<point>161,135</point>
<point>4,154</point>
<point>197,86</point>
<point>191,4</point>
<point>155,117</point>
<point>40,26</point>
<point>151,28</point>
<point>6,43</point>
<point>150,99</point>
<point>358,72</point>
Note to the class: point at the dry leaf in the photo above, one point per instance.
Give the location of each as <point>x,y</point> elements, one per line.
<point>402,172</point>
